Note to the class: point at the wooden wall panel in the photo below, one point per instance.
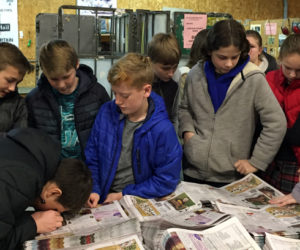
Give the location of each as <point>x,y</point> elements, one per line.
<point>293,8</point>
<point>27,11</point>
<point>246,9</point>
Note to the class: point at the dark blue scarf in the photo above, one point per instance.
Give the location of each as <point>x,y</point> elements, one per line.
<point>218,86</point>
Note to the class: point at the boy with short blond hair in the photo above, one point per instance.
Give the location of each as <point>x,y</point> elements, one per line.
<point>133,148</point>
<point>13,67</point>
<point>165,54</point>
<point>67,98</point>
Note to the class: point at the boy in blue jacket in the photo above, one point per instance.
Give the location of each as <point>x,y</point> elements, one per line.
<point>133,148</point>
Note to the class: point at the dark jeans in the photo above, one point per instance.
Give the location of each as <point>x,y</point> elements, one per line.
<point>214,184</point>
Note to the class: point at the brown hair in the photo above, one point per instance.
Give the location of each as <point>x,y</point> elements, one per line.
<point>132,68</point>
<point>164,49</point>
<point>198,43</point>
<point>10,55</point>
<point>75,181</point>
<point>57,57</point>
<point>290,45</point>
<point>226,33</point>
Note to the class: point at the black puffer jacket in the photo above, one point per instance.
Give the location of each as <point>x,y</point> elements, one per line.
<point>13,112</point>
<point>43,109</point>
<point>28,159</point>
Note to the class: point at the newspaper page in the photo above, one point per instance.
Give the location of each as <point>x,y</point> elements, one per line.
<point>128,243</point>
<point>197,219</point>
<point>259,222</point>
<point>229,235</point>
<point>251,192</point>
<point>274,242</point>
<point>186,197</point>
<point>89,220</point>
<point>79,242</point>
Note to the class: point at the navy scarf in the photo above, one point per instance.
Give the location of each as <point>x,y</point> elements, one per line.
<point>218,85</point>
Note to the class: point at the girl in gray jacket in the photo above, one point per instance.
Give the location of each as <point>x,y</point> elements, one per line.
<point>224,96</point>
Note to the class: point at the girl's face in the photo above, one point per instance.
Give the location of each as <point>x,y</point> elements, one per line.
<point>255,50</point>
<point>291,66</point>
<point>225,58</point>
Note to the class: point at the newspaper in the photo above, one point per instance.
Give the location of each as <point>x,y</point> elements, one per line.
<point>91,225</point>
<point>229,235</point>
<point>274,242</point>
<point>250,192</point>
<point>128,243</point>
<point>89,220</point>
<point>197,219</point>
<point>186,197</point>
<point>258,222</point>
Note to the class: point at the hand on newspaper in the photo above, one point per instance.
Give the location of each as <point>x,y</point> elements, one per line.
<point>244,167</point>
<point>93,200</point>
<point>113,197</point>
<point>283,200</point>
<point>47,221</point>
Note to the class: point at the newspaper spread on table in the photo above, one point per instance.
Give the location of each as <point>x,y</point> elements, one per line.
<point>229,235</point>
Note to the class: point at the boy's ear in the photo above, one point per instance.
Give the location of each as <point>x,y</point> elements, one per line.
<point>77,65</point>
<point>53,191</point>
<point>147,89</point>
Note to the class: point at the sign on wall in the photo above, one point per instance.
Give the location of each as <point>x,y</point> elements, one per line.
<point>9,21</point>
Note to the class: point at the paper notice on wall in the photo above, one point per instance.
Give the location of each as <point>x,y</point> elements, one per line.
<point>271,29</point>
<point>192,24</point>
<point>9,21</point>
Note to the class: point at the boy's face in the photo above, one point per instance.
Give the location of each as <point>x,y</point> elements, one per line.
<point>9,78</point>
<point>164,71</point>
<point>225,58</point>
<point>291,66</point>
<point>64,83</point>
<point>132,100</point>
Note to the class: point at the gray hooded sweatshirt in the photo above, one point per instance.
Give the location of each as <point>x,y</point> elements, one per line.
<point>226,136</point>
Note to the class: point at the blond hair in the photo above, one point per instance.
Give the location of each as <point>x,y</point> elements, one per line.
<point>164,49</point>
<point>57,57</point>
<point>132,68</point>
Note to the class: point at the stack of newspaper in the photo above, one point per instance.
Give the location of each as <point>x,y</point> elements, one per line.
<point>274,242</point>
<point>89,227</point>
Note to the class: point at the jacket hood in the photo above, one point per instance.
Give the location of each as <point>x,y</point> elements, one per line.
<point>42,147</point>
<point>84,73</point>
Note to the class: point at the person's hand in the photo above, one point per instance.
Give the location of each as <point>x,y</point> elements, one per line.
<point>93,200</point>
<point>187,136</point>
<point>283,200</point>
<point>113,197</point>
<point>244,167</point>
<point>47,221</point>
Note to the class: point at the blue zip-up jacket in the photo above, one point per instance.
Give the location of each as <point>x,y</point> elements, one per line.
<point>156,152</point>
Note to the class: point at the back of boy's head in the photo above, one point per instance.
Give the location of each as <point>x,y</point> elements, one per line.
<point>134,69</point>
<point>57,57</point>
<point>224,34</point>
<point>255,35</point>
<point>74,179</point>
<point>198,43</point>
<point>164,49</point>
<point>290,45</point>
<point>10,55</point>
